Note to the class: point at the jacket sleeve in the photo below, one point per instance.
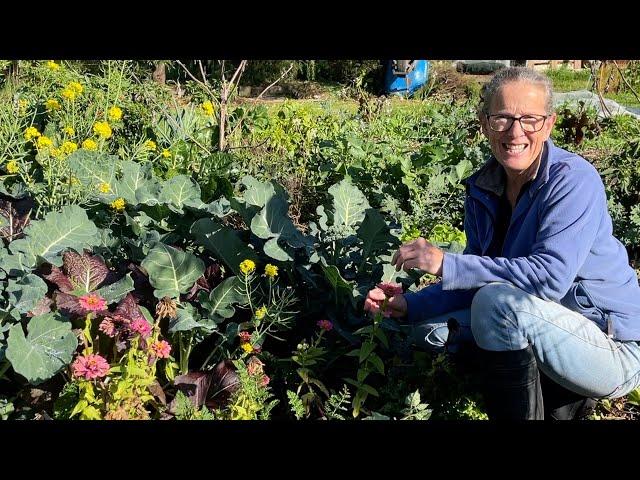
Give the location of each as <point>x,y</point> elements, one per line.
<point>432,301</point>
<point>569,219</point>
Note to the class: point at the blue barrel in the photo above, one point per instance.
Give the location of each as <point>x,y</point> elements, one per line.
<point>404,77</point>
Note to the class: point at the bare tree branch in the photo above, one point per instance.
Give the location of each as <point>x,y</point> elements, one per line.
<point>204,76</point>
<point>624,79</point>
<point>280,78</point>
<point>258,98</point>
<point>206,87</point>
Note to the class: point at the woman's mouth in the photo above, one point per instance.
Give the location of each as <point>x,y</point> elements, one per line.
<point>514,148</point>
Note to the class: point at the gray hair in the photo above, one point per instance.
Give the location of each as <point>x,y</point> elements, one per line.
<point>516,74</point>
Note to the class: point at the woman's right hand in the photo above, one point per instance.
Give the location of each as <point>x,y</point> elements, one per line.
<point>396,305</point>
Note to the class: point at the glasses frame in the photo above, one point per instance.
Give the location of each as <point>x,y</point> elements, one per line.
<point>519,119</point>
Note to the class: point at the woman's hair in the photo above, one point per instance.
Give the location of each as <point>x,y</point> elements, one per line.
<point>515,74</point>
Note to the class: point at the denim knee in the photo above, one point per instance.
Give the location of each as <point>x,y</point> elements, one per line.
<point>490,321</point>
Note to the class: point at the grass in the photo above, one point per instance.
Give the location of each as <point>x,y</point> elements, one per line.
<point>567,80</point>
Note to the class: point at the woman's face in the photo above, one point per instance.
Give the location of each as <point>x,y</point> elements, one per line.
<point>516,149</point>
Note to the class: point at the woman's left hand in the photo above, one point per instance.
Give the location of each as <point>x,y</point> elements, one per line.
<point>420,254</point>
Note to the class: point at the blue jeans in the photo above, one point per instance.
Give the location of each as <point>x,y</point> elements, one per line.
<point>569,348</point>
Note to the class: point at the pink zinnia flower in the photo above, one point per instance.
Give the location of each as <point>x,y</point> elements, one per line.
<point>108,327</point>
<point>244,337</point>
<point>90,367</point>
<point>93,302</point>
<point>161,349</point>
<point>325,325</point>
<point>390,288</point>
<point>141,326</point>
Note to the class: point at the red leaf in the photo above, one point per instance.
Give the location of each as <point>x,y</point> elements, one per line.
<point>85,271</point>
<point>16,212</point>
<point>195,386</point>
<point>128,308</point>
<point>69,304</point>
<point>58,277</point>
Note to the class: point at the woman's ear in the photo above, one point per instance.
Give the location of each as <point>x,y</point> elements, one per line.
<point>548,127</point>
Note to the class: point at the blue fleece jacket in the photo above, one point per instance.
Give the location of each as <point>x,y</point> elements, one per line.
<point>559,247</point>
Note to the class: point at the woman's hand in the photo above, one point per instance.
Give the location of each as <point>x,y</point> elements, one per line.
<point>396,305</point>
<point>419,254</point>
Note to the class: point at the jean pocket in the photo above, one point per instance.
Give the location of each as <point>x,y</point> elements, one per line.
<point>579,300</point>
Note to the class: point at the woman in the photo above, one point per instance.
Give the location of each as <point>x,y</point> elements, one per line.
<point>542,284</point>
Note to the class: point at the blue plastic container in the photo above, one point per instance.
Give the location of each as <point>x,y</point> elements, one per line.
<point>404,77</point>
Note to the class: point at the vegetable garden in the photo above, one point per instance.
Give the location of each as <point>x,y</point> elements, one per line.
<point>172,251</point>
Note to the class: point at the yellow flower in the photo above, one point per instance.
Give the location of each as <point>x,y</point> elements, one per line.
<point>13,167</point>
<point>52,104</point>
<point>68,147</point>
<point>44,142</point>
<point>55,152</point>
<point>31,132</point>
<point>118,204</point>
<point>271,271</point>
<point>74,181</point>
<point>89,144</point>
<point>22,105</point>
<point>150,145</point>
<point>102,129</point>
<point>246,347</point>
<point>104,188</point>
<point>261,312</point>
<point>51,65</point>
<point>76,87</point>
<point>68,94</point>
<point>247,266</point>
<point>114,113</point>
<point>207,107</point>
<point>166,153</point>
<point>69,131</point>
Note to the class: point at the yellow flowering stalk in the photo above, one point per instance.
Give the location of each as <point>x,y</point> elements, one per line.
<point>246,347</point>
<point>31,133</point>
<point>52,104</point>
<point>166,153</point>
<point>150,145</point>
<point>89,144</point>
<point>207,107</point>
<point>68,94</point>
<point>68,147</point>
<point>13,167</point>
<point>247,266</point>
<point>104,188</point>
<point>261,312</point>
<point>55,152</point>
<point>102,129</point>
<point>51,65</point>
<point>114,113</point>
<point>271,271</point>
<point>76,87</point>
<point>118,204</point>
<point>44,142</point>
<point>22,105</point>
<point>69,131</point>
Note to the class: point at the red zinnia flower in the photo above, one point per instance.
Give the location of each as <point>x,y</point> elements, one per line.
<point>325,325</point>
